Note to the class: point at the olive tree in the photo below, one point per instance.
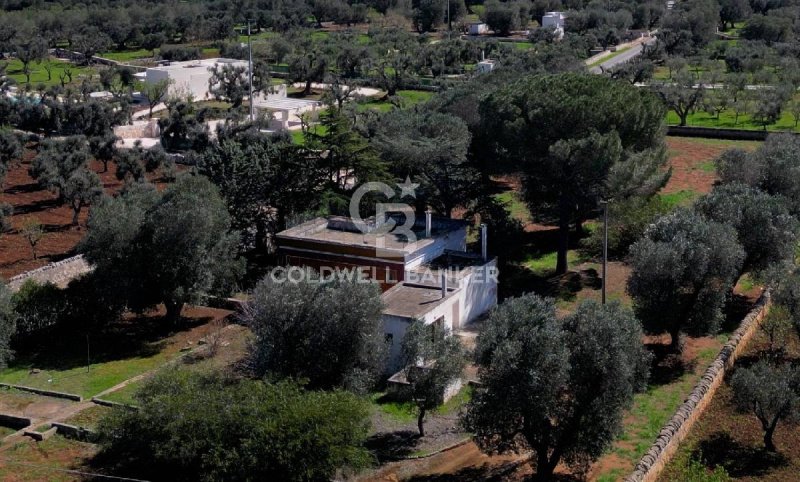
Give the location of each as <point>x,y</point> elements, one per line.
<point>63,167</point>
<point>328,331</point>
<point>764,227</point>
<point>8,324</point>
<point>433,360</point>
<point>773,168</point>
<point>771,393</point>
<point>556,387</point>
<point>683,270</point>
<point>10,150</point>
<point>578,139</point>
<point>168,248</point>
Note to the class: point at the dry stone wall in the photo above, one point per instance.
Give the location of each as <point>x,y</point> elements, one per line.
<point>671,435</point>
<point>59,273</point>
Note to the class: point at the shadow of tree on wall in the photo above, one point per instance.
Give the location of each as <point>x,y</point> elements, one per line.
<point>739,460</point>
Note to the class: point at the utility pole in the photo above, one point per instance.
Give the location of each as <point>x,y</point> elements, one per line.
<point>605,246</point>
<point>250,73</point>
<point>449,23</point>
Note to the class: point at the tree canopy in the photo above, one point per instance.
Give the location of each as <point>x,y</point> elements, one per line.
<point>558,388</point>
<point>165,248</point>
<point>206,426</point>
<point>578,139</point>
<point>683,270</point>
<point>328,332</point>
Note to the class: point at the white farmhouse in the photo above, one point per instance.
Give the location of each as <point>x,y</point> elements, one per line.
<point>555,20</point>
<point>190,77</point>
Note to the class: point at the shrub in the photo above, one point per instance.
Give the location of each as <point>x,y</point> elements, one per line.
<point>194,426</point>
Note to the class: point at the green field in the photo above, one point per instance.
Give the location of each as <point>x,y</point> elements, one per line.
<point>39,73</point>
<point>727,120</point>
<point>128,55</point>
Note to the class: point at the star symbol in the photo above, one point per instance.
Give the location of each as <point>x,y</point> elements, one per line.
<point>408,188</point>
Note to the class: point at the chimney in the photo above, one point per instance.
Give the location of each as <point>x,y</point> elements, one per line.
<point>484,247</point>
<point>428,223</point>
<point>444,284</point>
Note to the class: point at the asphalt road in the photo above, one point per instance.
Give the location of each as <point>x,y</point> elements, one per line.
<point>621,58</point>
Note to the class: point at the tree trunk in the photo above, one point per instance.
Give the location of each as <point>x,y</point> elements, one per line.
<point>768,433</point>
<point>307,90</point>
<point>76,211</point>
<point>563,243</point>
<point>421,422</point>
<point>544,467</point>
<point>683,118</point>
<point>675,340</point>
<point>174,309</point>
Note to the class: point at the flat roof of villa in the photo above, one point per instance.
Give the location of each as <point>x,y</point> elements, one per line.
<point>343,231</point>
<point>409,300</point>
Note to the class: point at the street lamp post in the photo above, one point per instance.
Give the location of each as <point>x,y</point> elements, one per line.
<point>604,203</point>
<point>250,72</point>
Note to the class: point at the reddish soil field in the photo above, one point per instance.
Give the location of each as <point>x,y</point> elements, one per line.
<point>690,158</point>
<point>725,437</point>
<point>30,201</point>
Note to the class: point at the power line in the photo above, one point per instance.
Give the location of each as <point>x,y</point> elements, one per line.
<point>75,472</point>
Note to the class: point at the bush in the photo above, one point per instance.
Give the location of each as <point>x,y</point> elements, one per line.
<point>178,53</point>
<point>627,222</point>
<point>193,426</point>
<point>38,306</point>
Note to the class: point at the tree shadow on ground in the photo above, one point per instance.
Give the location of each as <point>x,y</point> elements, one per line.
<point>64,347</point>
<point>739,460</point>
<point>391,446</point>
<point>23,188</point>
<point>735,310</point>
<point>37,206</point>
<point>666,366</point>
<point>490,473</point>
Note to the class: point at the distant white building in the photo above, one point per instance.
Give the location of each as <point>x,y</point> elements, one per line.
<point>478,28</point>
<point>485,66</point>
<point>555,20</point>
<point>190,77</point>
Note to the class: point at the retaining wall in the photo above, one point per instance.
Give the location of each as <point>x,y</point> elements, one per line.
<point>673,433</point>
<point>59,273</point>
<point>14,421</point>
<point>714,133</point>
<point>75,433</point>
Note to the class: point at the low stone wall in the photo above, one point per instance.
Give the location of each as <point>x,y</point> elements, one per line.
<point>59,273</point>
<point>13,421</point>
<point>75,433</point>
<point>139,130</point>
<point>673,433</point>
<point>46,393</point>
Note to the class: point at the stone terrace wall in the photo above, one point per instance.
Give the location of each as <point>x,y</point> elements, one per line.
<point>671,435</point>
<point>59,273</point>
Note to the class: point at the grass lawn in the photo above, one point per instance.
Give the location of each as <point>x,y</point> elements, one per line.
<point>126,349</point>
<point>681,198</point>
<point>544,264</point>
<point>652,409</point>
<point>88,418</point>
<point>408,98</point>
<point>515,205</point>
<point>124,395</point>
<point>128,55</point>
<point>39,74</point>
<point>727,119</point>
<point>47,460</point>
<point>6,431</point>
